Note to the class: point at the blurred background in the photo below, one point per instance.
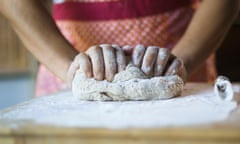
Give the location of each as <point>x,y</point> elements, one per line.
<point>18,68</point>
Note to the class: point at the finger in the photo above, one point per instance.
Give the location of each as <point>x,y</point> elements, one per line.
<point>71,73</point>
<point>149,60</point>
<point>161,62</point>
<point>81,62</point>
<point>121,59</point>
<point>177,68</point>
<point>96,56</point>
<point>138,54</point>
<point>174,68</point>
<point>109,61</point>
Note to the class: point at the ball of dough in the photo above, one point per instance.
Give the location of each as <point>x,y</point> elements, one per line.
<point>130,84</point>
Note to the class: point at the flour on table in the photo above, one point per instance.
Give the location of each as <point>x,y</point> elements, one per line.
<point>197,105</point>
<point>130,84</point>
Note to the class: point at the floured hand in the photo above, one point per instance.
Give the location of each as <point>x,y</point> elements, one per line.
<point>99,61</point>
<point>156,61</point>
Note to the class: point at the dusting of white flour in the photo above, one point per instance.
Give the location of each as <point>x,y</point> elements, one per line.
<point>196,106</point>
<point>130,84</point>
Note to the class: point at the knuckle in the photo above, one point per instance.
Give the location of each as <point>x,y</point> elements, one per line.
<point>138,54</point>
<point>117,47</point>
<point>77,57</point>
<point>105,46</point>
<point>139,49</point>
<point>80,57</point>
<point>92,49</point>
<point>152,48</point>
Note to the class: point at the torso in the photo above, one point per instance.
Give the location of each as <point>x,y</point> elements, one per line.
<point>123,22</point>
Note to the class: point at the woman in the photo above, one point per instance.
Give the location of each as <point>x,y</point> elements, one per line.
<point>191,36</point>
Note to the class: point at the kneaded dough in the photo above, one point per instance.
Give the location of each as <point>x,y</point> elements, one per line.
<point>130,84</point>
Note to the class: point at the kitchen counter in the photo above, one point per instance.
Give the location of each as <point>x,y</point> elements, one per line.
<point>30,132</point>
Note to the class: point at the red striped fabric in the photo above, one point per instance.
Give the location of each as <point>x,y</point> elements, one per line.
<point>114,10</point>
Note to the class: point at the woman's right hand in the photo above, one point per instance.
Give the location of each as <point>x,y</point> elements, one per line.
<point>99,61</point>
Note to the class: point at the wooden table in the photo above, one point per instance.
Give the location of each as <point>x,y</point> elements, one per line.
<point>27,132</point>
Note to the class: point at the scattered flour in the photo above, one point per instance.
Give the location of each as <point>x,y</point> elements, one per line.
<point>130,84</point>
<point>197,105</point>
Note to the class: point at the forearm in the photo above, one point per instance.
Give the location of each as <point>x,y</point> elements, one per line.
<point>37,30</point>
<point>206,31</point>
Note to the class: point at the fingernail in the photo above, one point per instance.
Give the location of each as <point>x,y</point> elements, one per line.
<point>146,69</point>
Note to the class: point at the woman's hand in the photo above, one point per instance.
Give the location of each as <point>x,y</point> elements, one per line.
<point>155,61</point>
<point>99,61</point>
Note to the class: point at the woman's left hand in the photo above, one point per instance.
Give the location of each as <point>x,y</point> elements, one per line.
<point>155,61</point>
